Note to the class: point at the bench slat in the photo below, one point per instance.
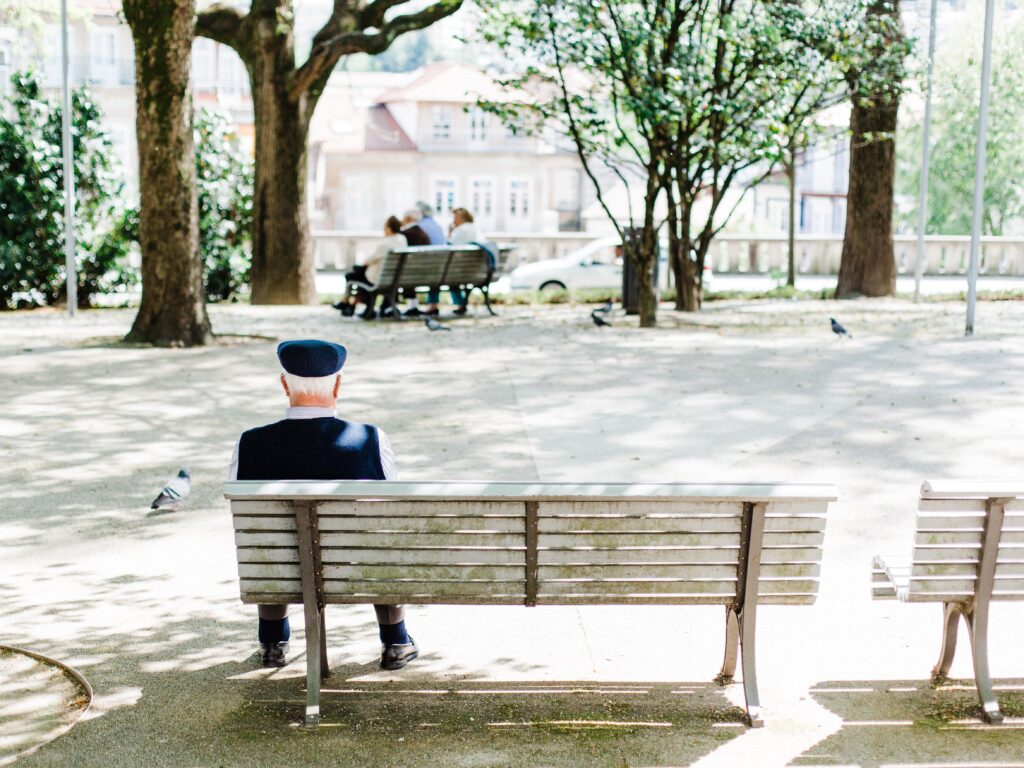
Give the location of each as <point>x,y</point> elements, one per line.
<point>424,556</point>
<point>482,540</point>
<point>436,524</point>
<point>376,572</point>
<point>689,586</point>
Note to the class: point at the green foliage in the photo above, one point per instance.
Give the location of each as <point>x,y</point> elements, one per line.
<point>32,200</point>
<point>956,85</point>
<point>685,100</point>
<point>224,178</point>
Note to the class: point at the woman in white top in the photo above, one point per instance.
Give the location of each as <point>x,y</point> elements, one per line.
<point>366,274</point>
<point>462,232</point>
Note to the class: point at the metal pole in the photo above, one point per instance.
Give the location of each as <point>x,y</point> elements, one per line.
<point>979,169</point>
<point>71,272</point>
<point>922,191</point>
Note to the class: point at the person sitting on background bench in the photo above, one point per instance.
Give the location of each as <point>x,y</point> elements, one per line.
<point>463,232</point>
<point>364,276</point>
<point>312,443</point>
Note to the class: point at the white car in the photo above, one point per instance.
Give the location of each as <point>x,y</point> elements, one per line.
<point>595,265</point>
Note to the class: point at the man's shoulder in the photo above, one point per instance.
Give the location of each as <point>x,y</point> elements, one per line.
<point>332,422</point>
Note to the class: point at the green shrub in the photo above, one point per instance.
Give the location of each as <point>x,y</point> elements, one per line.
<point>224,180</point>
<point>32,261</point>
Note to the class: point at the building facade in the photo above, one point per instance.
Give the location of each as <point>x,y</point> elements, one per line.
<point>380,142</point>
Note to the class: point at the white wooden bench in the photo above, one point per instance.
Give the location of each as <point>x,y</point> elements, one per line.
<point>433,267</point>
<point>530,544</point>
<point>968,551</point>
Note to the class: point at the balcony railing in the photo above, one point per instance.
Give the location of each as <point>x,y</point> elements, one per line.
<point>820,255</point>
<point>742,254</point>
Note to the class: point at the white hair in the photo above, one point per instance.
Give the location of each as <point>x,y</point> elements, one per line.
<point>316,386</point>
<point>413,214</point>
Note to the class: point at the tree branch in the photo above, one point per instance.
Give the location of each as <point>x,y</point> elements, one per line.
<point>329,48</point>
<point>223,24</point>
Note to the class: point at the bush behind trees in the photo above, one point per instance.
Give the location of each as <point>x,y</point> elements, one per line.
<point>224,178</point>
<point>32,201</point>
<point>32,268</point>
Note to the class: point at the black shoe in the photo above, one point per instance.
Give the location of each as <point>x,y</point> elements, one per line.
<point>432,312</point>
<point>347,310</point>
<point>397,656</point>
<point>273,654</point>
<point>412,312</point>
<point>460,310</point>
<point>367,314</point>
<point>340,305</point>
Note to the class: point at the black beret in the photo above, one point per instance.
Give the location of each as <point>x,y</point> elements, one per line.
<point>311,358</point>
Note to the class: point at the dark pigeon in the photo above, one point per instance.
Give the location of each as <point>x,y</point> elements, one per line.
<point>599,321</point>
<point>838,329</point>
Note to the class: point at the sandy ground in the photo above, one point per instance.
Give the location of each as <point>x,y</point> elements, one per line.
<point>147,606</point>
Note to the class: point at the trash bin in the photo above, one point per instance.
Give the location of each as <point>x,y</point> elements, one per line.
<point>631,279</point>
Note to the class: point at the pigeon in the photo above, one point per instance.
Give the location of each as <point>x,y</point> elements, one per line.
<point>174,492</point>
<point>599,321</point>
<point>605,308</point>
<point>838,329</point>
<point>433,325</point>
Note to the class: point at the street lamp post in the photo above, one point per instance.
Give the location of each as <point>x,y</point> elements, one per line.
<point>71,271</point>
<point>922,193</point>
<point>979,169</point>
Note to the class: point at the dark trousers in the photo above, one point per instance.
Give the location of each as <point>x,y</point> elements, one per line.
<point>386,614</point>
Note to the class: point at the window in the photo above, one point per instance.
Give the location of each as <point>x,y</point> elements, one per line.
<point>477,124</point>
<point>519,198</point>
<point>481,201</point>
<point>519,204</point>
<point>103,45</point>
<point>356,202</point>
<point>441,122</point>
<point>203,69</point>
<point>53,51</point>
<point>443,200</point>
<point>514,128</point>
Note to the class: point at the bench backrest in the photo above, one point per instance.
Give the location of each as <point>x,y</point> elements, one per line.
<point>533,543</point>
<point>955,522</point>
<point>436,265</point>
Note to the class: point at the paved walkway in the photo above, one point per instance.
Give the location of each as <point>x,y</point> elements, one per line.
<point>147,606</point>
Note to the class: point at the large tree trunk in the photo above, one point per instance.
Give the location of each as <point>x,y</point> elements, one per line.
<point>648,254</point>
<point>868,266</point>
<point>282,263</point>
<point>173,309</point>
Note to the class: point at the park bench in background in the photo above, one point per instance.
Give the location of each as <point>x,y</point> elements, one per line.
<point>737,545</point>
<point>968,551</point>
<point>437,267</point>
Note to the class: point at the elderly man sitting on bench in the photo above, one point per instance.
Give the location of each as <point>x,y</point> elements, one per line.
<point>312,443</point>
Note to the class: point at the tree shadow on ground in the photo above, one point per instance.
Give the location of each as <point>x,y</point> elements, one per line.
<point>910,722</point>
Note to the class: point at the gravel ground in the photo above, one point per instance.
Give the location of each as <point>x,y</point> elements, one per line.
<point>147,606</point>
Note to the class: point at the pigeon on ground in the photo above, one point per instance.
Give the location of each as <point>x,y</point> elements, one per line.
<point>174,492</point>
<point>433,325</point>
<point>599,321</point>
<point>838,329</point>
<point>605,308</point>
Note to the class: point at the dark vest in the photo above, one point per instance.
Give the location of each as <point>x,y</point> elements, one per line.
<point>310,449</point>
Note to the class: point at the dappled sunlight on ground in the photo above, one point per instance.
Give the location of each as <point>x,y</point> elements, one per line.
<point>147,606</point>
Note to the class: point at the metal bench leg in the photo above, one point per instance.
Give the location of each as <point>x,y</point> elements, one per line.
<point>977,623</point>
<point>951,613</point>
<point>487,300</point>
<point>732,641</point>
<point>747,650</point>
<point>325,668</point>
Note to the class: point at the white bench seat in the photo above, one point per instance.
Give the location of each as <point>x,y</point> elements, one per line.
<point>968,551</point>
<point>530,544</point>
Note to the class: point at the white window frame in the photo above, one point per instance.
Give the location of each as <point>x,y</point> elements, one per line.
<point>357,201</point>
<point>443,192</point>
<point>519,203</point>
<point>104,53</point>
<point>484,209</point>
<point>441,122</point>
<point>478,119</point>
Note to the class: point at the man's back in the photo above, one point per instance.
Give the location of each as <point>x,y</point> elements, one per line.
<point>310,449</point>
<point>416,236</point>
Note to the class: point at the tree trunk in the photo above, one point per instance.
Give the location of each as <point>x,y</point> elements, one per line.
<point>173,309</point>
<point>282,262</point>
<point>868,265</point>
<point>648,253</point>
